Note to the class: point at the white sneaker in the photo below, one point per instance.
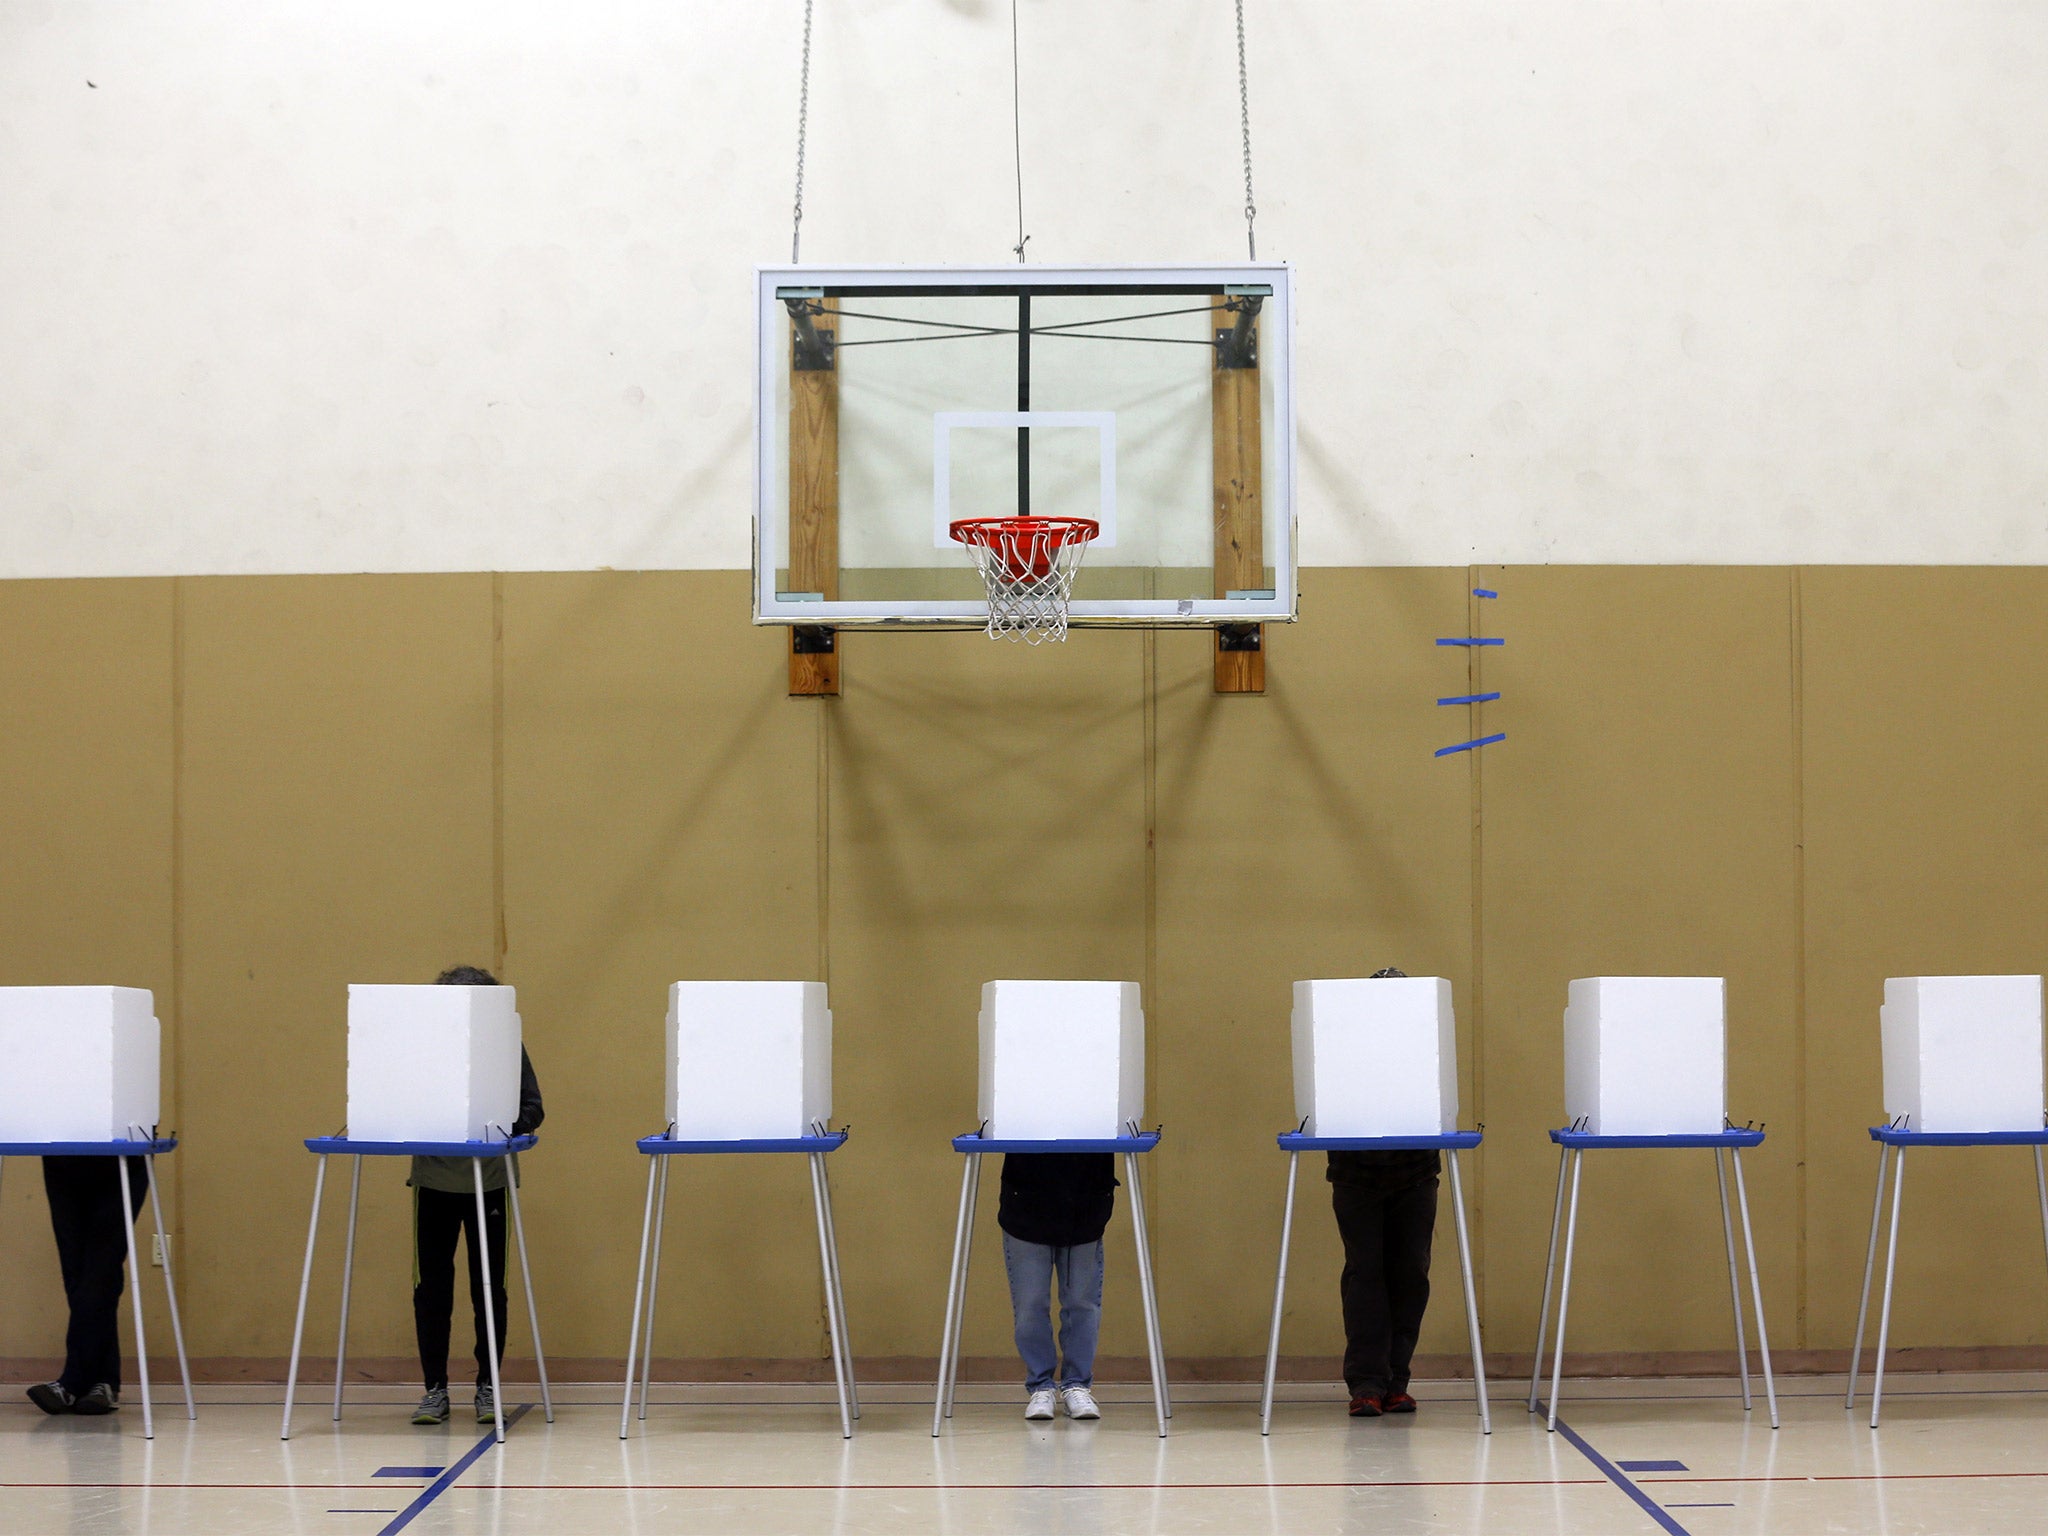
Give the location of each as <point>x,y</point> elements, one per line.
<point>1080,1403</point>
<point>1041,1404</point>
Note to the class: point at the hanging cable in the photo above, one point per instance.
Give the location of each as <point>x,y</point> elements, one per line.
<point>1017,132</point>
<point>1244,118</point>
<point>803,113</point>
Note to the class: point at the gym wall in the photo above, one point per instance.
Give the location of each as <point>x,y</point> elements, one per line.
<point>1713,323</point>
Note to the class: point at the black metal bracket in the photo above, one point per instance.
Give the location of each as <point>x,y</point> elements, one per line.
<point>813,640</point>
<point>1240,637</point>
<point>1238,347</point>
<point>816,347</point>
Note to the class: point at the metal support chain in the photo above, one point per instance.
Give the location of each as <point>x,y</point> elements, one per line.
<point>1244,118</point>
<point>803,114</point>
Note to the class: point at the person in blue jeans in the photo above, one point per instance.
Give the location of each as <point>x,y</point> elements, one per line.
<point>1054,1209</point>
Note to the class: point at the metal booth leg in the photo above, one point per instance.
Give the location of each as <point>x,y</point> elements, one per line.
<point>832,1322</point>
<point>1869,1262</point>
<point>1149,1291</point>
<point>1891,1260</point>
<point>483,1262</point>
<point>1756,1287</point>
<point>1549,1274</point>
<point>2041,1184</point>
<point>653,1288</point>
<point>1279,1297</point>
<point>135,1287</point>
<point>962,1234</point>
<point>171,1288</point>
<point>838,1285</point>
<point>1564,1289</point>
<point>291,1379</point>
<point>348,1270</point>
<point>540,1358</point>
<point>1734,1285</point>
<point>639,1295</point>
<point>1471,1298</point>
<point>966,1271</point>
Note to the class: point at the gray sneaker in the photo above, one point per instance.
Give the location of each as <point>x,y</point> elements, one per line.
<point>51,1397</point>
<point>95,1400</point>
<point>486,1405</point>
<point>433,1408</point>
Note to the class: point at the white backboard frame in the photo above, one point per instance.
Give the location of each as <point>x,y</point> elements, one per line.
<point>771,508</point>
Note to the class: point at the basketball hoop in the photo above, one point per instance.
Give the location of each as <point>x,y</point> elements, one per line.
<point>1028,566</point>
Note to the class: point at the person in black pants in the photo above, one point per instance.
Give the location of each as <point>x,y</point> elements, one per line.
<point>92,1251</point>
<point>1386,1214</point>
<point>444,1207</point>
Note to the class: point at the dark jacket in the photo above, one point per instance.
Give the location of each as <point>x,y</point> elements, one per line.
<point>1384,1173</point>
<point>1059,1199</point>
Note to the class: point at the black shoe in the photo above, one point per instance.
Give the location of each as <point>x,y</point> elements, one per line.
<point>51,1397</point>
<point>98,1399</point>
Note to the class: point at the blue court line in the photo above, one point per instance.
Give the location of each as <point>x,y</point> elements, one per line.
<point>1470,698</point>
<point>1467,746</point>
<point>1473,640</point>
<point>446,1480</point>
<point>1484,592</point>
<point>1616,1476</point>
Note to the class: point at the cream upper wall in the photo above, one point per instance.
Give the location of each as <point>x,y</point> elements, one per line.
<point>456,286</point>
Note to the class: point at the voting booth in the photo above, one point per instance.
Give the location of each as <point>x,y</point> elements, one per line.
<point>1962,1053</point>
<point>749,1071</point>
<point>80,1077</point>
<point>1061,1059</point>
<point>1375,1057</point>
<point>81,1064</point>
<point>432,1063</point>
<point>1645,1069</point>
<point>1646,1055</point>
<point>748,1060</point>
<point>1962,1068</point>
<point>1062,1070</point>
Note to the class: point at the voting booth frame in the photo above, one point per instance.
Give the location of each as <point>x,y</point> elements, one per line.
<point>1450,1143</point>
<point>146,1148</point>
<point>1572,1146</point>
<point>1130,1146</point>
<point>1892,1142</point>
<point>477,1152</point>
<point>647,1279</point>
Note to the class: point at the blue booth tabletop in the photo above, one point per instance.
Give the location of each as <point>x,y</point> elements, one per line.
<point>88,1148</point>
<point>1446,1141</point>
<point>343,1146</point>
<point>1144,1141</point>
<point>1894,1137</point>
<point>665,1145</point>
<point>1585,1140</point>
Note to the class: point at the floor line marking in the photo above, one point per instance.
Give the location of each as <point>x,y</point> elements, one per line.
<point>1619,1478</point>
<point>446,1480</point>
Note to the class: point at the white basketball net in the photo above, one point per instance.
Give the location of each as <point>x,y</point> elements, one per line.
<point>1028,566</point>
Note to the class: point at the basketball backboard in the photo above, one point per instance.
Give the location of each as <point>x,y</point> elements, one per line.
<point>1156,401</point>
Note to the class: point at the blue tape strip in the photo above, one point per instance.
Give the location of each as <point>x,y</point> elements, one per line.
<point>408,1472</point>
<point>1616,1476</point>
<point>1467,746</point>
<point>1484,592</point>
<point>1473,640</point>
<point>446,1480</point>
<point>1470,698</point>
<point>1653,1466</point>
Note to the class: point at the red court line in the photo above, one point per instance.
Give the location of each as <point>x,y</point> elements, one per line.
<point>1845,1477</point>
<point>1505,1482</point>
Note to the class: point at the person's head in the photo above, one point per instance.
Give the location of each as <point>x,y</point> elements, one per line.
<point>1390,973</point>
<point>466,976</point>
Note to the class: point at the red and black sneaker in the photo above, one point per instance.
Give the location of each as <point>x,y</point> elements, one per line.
<point>1399,1402</point>
<point>1367,1405</point>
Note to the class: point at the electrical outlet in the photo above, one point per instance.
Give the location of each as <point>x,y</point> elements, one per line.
<point>156,1249</point>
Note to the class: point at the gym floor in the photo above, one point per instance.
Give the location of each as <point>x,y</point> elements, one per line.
<point>1957,1454</point>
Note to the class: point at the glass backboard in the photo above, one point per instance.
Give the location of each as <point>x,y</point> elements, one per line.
<point>1156,401</point>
